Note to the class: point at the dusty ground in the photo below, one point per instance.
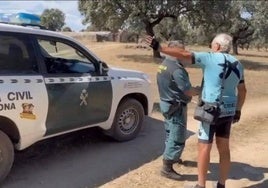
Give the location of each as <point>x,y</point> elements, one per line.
<point>249,156</point>
<point>249,143</point>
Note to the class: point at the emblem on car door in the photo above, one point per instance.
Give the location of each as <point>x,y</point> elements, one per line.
<point>83,97</point>
<point>27,111</point>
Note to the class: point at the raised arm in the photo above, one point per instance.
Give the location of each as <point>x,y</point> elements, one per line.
<point>180,53</point>
<point>193,91</point>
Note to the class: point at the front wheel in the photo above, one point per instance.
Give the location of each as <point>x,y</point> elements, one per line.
<point>128,120</point>
<point>6,155</point>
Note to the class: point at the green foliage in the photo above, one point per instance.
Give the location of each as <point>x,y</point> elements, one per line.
<point>102,15</point>
<point>135,16</point>
<point>122,14</point>
<point>212,17</point>
<point>53,19</point>
<point>195,21</point>
<point>172,29</point>
<point>259,13</point>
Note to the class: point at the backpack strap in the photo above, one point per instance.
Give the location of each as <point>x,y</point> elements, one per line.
<point>222,76</point>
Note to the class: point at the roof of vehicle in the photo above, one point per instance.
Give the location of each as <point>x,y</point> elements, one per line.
<point>29,30</point>
<point>5,27</point>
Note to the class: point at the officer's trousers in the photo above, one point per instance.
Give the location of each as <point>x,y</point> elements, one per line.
<point>176,132</point>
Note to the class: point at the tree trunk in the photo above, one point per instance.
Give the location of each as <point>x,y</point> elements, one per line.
<point>235,45</point>
<point>150,31</point>
<point>156,54</point>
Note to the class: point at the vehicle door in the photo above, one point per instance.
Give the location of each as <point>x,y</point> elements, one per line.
<point>23,97</point>
<point>78,94</point>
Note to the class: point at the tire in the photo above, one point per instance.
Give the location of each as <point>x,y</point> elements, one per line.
<point>6,155</point>
<point>128,120</point>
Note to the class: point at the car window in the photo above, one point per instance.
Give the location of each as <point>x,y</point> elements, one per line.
<point>16,55</point>
<point>63,58</point>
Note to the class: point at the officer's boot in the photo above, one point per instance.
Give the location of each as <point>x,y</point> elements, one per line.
<point>220,185</point>
<point>168,171</point>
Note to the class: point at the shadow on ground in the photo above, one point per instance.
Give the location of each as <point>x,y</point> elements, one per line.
<point>252,65</point>
<point>253,55</point>
<point>238,171</point>
<point>84,159</point>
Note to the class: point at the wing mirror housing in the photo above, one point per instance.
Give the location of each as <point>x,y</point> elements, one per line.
<point>103,68</point>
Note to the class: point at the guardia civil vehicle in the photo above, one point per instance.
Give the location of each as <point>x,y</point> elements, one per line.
<point>50,84</point>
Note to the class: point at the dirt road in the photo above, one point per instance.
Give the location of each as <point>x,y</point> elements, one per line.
<point>83,159</point>
<point>249,148</point>
<point>89,159</point>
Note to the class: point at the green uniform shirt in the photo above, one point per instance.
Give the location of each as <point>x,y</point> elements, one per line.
<point>172,81</point>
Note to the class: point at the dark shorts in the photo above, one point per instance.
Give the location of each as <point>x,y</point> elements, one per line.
<point>221,129</point>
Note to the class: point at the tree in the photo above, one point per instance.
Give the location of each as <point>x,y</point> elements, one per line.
<point>195,21</point>
<point>66,29</point>
<point>120,14</point>
<point>53,19</point>
<point>258,12</point>
<point>171,29</point>
<point>224,16</point>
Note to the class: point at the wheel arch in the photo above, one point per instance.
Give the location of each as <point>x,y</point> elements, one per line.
<point>139,97</point>
<point>10,129</point>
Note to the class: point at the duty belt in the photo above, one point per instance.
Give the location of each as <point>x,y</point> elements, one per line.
<point>176,102</point>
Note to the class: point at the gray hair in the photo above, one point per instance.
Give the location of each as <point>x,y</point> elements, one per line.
<point>224,40</point>
<point>176,43</point>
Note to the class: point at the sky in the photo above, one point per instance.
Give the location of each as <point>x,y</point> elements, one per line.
<point>73,19</point>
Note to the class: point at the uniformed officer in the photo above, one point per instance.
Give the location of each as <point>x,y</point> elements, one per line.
<point>175,92</point>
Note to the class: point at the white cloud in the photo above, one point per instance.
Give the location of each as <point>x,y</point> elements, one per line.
<point>73,18</point>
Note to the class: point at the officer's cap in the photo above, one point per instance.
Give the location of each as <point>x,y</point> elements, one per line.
<point>176,43</point>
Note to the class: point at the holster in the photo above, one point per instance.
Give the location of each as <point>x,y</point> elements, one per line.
<point>175,106</point>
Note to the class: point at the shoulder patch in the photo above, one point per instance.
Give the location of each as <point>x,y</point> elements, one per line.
<point>162,68</point>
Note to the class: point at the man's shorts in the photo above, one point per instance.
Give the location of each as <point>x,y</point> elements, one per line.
<point>221,128</point>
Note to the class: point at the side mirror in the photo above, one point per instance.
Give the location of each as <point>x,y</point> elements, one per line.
<point>103,68</point>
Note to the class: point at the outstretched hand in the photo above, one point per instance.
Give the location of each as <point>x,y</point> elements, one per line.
<point>152,42</point>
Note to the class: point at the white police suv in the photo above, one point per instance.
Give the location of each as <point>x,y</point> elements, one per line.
<point>50,84</point>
